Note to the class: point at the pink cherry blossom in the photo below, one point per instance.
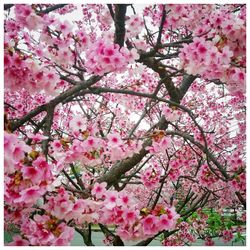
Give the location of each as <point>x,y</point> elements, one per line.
<point>15,151</point>
<point>99,190</point>
<point>150,224</point>
<point>111,199</point>
<point>120,116</point>
<point>209,242</point>
<point>31,195</point>
<point>18,241</point>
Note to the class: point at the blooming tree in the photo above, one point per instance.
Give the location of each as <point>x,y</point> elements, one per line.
<point>126,118</point>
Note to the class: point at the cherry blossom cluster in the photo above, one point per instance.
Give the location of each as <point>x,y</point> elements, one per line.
<point>108,207</point>
<point>28,175</point>
<point>28,183</point>
<point>175,169</point>
<point>211,60</point>
<point>178,15</point>
<point>46,230</point>
<point>236,162</point>
<point>222,58</point>
<point>53,184</point>
<point>206,177</point>
<point>160,143</point>
<point>105,57</point>
<point>239,182</point>
<point>151,177</point>
<point>23,102</point>
<point>170,114</point>
<point>134,26</point>
<point>26,17</point>
<point>133,222</point>
<point>120,209</point>
<point>183,236</point>
<point>91,150</point>
<point>15,150</point>
<point>227,235</point>
<point>209,242</point>
<point>21,71</point>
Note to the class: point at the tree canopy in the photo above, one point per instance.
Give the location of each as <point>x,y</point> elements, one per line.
<point>129,118</point>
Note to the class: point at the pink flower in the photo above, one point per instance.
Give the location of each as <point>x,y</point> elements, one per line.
<point>37,137</point>
<point>99,190</point>
<point>44,230</point>
<point>164,222</point>
<point>34,22</point>
<point>30,195</point>
<point>131,232</point>
<point>114,140</point>
<point>65,27</point>
<point>78,124</point>
<point>125,198</point>
<point>33,174</point>
<point>209,242</point>
<point>150,224</point>
<point>227,235</point>
<point>151,177</point>
<point>18,241</point>
<point>56,145</point>
<point>15,150</point>
<point>91,142</point>
<point>41,164</point>
<point>130,216</point>
<point>103,57</point>
<point>159,146</point>
<point>116,153</point>
<point>66,236</point>
<point>226,55</point>
<point>111,199</point>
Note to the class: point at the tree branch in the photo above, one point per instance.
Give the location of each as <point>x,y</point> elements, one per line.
<point>79,180</point>
<point>119,18</point>
<point>163,18</point>
<point>111,11</point>
<point>70,92</point>
<point>8,6</point>
<point>47,128</point>
<point>241,199</point>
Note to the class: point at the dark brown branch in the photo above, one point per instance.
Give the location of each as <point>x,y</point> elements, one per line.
<point>47,128</point>
<point>165,78</point>
<point>163,18</point>
<point>158,193</point>
<point>187,199</point>
<point>24,119</point>
<point>70,180</point>
<point>36,130</point>
<point>241,199</point>
<point>119,18</point>
<point>46,11</point>
<point>187,81</point>
<point>196,205</point>
<point>86,235</point>
<point>147,241</point>
<point>117,170</point>
<point>111,11</point>
<point>8,6</point>
<point>83,194</point>
<point>116,239</point>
